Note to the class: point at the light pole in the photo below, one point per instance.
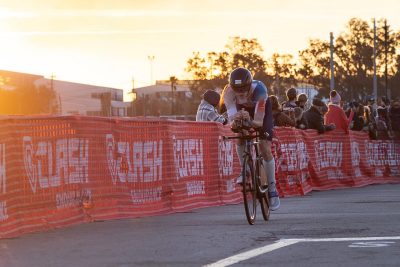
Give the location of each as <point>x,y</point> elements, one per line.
<point>151,59</point>
<point>134,95</point>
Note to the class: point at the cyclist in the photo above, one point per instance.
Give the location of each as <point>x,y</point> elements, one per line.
<point>246,98</point>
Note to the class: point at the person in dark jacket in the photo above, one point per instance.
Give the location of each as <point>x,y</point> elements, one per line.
<point>315,116</point>
<point>301,122</point>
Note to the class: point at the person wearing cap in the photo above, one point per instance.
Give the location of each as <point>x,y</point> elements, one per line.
<point>336,114</point>
<point>315,116</point>
<point>247,99</point>
<point>289,105</point>
<point>207,108</point>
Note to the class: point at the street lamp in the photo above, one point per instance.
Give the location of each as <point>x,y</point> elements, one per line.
<point>133,94</point>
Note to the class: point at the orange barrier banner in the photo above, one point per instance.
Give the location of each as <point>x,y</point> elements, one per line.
<point>59,171</point>
<point>306,160</point>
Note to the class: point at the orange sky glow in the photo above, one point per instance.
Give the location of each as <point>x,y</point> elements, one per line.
<point>107,43</point>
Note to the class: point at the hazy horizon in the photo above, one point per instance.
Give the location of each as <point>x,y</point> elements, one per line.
<point>107,43</point>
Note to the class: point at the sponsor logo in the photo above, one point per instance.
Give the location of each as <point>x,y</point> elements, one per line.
<point>380,153</point>
<point>141,196</point>
<point>134,162</point>
<point>195,188</point>
<point>51,163</point>
<point>294,156</point>
<point>225,157</point>
<point>328,154</point>
<point>71,199</point>
<point>188,157</point>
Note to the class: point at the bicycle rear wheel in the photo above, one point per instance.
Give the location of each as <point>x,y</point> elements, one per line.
<point>249,190</point>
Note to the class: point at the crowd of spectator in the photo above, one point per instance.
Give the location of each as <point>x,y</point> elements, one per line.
<point>379,119</point>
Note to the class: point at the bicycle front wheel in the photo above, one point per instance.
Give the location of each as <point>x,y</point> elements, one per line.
<point>263,197</point>
<point>249,190</point>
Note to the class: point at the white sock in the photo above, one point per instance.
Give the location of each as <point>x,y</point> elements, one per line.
<point>270,171</point>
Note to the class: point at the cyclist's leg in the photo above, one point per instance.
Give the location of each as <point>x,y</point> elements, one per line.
<point>240,153</point>
<point>269,162</point>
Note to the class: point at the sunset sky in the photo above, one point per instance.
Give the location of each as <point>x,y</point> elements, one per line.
<point>108,42</point>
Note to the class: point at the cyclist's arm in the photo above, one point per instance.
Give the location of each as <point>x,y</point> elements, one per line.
<point>230,104</point>
<point>259,113</point>
<point>260,97</point>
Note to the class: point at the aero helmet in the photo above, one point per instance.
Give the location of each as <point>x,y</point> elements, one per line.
<point>240,80</point>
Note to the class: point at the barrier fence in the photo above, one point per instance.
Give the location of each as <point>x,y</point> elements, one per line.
<point>59,171</point>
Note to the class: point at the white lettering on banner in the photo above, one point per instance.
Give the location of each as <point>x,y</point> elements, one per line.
<point>134,162</point>
<point>382,153</point>
<point>328,154</point>
<point>295,155</point>
<point>188,156</point>
<point>225,157</point>
<point>195,188</point>
<point>355,158</point>
<point>140,196</point>
<point>3,177</point>
<point>230,185</point>
<point>69,164</point>
<point>3,211</point>
<point>71,199</point>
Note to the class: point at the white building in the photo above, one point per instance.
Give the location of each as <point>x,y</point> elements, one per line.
<point>72,98</point>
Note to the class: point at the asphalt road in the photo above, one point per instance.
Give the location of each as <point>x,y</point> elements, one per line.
<point>348,227</point>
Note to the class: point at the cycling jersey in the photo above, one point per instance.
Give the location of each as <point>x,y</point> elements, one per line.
<point>256,102</point>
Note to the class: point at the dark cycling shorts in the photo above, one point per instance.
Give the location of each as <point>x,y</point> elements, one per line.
<point>268,124</point>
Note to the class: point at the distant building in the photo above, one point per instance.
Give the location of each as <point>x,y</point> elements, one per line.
<point>163,89</point>
<point>73,98</point>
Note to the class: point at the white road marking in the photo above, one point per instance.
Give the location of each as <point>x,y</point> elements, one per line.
<point>374,244</point>
<point>252,253</point>
<point>287,242</point>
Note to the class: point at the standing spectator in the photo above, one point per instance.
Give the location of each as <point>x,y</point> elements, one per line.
<point>289,105</point>
<point>207,109</point>
<point>336,114</point>
<point>315,118</point>
<point>280,118</point>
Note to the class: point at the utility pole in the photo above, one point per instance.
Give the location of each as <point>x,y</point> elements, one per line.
<point>52,76</point>
<point>332,83</point>
<point>375,82</point>
<point>134,95</point>
<point>173,81</point>
<point>386,56</point>
<point>151,59</point>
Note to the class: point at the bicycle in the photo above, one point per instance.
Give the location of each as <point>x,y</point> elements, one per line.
<point>255,185</point>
